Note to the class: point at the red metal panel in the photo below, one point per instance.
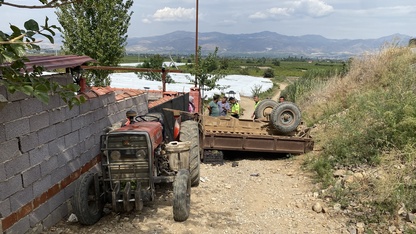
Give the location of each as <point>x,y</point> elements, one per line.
<point>154,129</point>
<point>51,62</point>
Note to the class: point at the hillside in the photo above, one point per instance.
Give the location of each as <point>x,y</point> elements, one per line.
<point>259,44</point>
<point>365,153</point>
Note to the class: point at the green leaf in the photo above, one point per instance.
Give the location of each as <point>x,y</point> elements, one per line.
<point>15,30</point>
<point>32,25</point>
<point>43,97</point>
<point>50,38</point>
<point>27,89</point>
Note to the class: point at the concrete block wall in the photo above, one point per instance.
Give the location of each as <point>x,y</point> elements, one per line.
<point>44,148</point>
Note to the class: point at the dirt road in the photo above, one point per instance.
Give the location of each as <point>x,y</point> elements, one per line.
<point>263,194</point>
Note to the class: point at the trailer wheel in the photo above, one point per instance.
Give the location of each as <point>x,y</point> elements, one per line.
<point>264,108</point>
<point>286,117</point>
<point>181,196</point>
<point>190,132</point>
<point>87,204</point>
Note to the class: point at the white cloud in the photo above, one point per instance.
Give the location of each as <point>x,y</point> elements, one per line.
<point>310,8</point>
<point>174,14</point>
<point>146,21</point>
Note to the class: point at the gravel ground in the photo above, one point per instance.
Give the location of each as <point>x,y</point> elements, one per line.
<point>263,194</point>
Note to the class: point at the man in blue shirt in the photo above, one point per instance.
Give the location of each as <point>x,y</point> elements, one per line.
<point>224,106</point>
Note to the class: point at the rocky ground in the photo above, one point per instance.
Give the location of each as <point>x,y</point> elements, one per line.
<point>263,194</point>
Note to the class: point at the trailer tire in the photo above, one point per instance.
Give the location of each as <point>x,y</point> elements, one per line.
<point>87,210</point>
<point>264,108</point>
<point>286,117</point>
<point>190,132</point>
<point>181,196</point>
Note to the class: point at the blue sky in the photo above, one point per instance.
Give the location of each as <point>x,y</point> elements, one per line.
<point>334,19</point>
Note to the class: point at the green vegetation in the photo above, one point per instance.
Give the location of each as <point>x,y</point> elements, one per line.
<point>97,29</point>
<point>13,47</point>
<point>366,122</point>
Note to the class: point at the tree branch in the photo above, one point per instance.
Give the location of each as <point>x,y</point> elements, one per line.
<point>51,4</point>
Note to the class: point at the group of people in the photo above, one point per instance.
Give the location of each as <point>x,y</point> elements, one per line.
<point>230,105</point>
<point>224,106</point>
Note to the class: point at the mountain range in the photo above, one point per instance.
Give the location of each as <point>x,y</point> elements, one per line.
<point>261,44</point>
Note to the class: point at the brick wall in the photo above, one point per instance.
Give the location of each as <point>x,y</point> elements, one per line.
<point>44,148</point>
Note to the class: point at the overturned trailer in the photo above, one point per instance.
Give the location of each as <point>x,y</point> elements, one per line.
<point>228,133</point>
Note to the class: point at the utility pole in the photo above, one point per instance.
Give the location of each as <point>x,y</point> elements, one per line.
<point>196,41</point>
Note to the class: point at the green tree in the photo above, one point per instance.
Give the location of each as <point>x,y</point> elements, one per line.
<point>206,71</point>
<point>97,28</point>
<point>13,47</point>
<point>268,73</point>
<point>154,62</point>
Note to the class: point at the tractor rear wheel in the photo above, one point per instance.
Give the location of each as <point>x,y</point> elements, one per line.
<point>87,204</point>
<point>190,132</point>
<point>286,117</point>
<point>181,196</point>
<point>264,108</point>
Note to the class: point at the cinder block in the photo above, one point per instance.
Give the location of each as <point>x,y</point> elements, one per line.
<point>89,119</point>
<point>56,201</point>
<point>56,216</point>
<point>47,134</point>
<point>10,186</point>
<point>2,133</point>
<point>17,164</point>
<point>122,105</point>
<point>47,166</point>
<point>63,128</point>
<point>42,186</point>
<point>17,128</point>
<point>22,226</point>
<point>59,174</point>
<point>65,156</point>
<point>39,121</point>
<point>70,190</point>
<point>95,104</point>
<point>78,149</point>
<point>38,154</point>
<point>10,112</point>
<point>84,133</point>
<point>21,198</point>
<point>16,96</point>
<point>112,108</point>
<point>8,149</point>
<point>75,164</point>
<point>31,106</point>
<point>31,175</point>
<point>57,115</point>
<point>39,214</point>
<point>71,113</point>
<point>56,146</point>
<point>77,123</point>
<point>5,208</point>
<point>99,114</point>
<point>129,102</point>
<point>54,102</point>
<point>29,142</point>
<point>71,139</point>
<point>2,172</point>
<point>85,107</point>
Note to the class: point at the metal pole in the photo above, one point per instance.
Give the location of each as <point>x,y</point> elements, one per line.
<point>196,40</point>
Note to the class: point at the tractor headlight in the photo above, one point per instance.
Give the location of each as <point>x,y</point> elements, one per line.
<point>115,155</point>
<point>141,153</point>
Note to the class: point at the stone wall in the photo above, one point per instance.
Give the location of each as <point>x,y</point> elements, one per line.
<point>44,148</point>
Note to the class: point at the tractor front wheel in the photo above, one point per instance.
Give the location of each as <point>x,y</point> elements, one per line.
<point>87,203</point>
<point>181,196</point>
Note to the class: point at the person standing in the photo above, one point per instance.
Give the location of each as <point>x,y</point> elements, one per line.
<point>235,108</point>
<point>256,103</point>
<point>224,106</point>
<point>191,105</point>
<point>213,107</point>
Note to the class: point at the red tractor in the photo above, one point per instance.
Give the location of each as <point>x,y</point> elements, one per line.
<point>134,158</point>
